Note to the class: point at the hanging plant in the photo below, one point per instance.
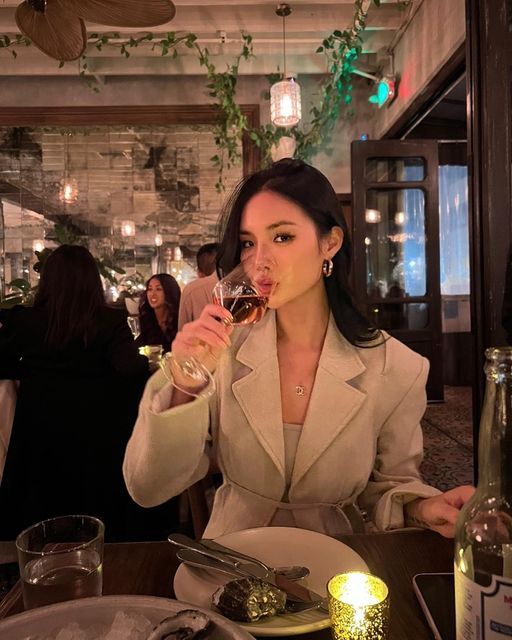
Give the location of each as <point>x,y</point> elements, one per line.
<point>341,49</point>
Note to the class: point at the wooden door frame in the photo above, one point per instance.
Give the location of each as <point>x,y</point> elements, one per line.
<point>489,89</point>
<point>360,185</point>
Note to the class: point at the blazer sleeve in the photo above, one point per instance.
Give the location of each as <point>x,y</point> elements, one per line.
<point>396,478</point>
<point>168,449</point>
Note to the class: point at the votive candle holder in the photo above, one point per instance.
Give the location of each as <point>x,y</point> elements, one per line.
<point>358,606</point>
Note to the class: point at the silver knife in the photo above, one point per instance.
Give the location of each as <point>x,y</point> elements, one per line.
<point>294,591</point>
<point>184,542</point>
<point>212,545</point>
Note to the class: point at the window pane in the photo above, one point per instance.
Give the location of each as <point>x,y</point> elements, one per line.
<point>406,315</point>
<point>395,169</point>
<point>454,230</point>
<point>395,243</point>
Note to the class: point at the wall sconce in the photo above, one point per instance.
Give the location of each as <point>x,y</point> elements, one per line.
<point>285,103</point>
<point>372,216</point>
<point>158,240</point>
<point>127,228</point>
<point>38,245</point>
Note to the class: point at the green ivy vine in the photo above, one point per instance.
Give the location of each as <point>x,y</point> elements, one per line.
<point>341,49</point>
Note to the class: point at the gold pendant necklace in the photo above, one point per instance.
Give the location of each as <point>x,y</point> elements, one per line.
<point>300,390</point>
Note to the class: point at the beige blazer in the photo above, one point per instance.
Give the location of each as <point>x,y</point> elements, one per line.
<point>361,441</point>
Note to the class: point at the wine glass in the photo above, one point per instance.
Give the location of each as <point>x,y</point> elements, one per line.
<point>244,292</point>
<point>134,324</point>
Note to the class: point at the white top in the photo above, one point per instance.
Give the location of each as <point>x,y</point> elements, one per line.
<point>291,434</point>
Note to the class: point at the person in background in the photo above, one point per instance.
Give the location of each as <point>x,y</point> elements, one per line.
<point>316,415</point>
<point>205,258</point>
<point>197,294</point>
<point>158,311</point>
<point>80,382</point>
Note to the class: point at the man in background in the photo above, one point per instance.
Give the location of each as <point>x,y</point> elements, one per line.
<point>197,294</point>
<point>205,258</point>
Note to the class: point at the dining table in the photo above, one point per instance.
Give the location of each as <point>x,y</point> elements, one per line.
<point>148,568</point>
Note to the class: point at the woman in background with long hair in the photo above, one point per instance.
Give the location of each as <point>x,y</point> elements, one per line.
<point>158,311</point>
<point>80,381</point>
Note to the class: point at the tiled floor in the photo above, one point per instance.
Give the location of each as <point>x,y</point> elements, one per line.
<point>448,440</point>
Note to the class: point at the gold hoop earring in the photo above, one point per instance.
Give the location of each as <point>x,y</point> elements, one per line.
<point>327,267</point>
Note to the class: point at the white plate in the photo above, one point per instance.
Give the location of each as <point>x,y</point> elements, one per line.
<point>101,611</point>
<point>281,546</point>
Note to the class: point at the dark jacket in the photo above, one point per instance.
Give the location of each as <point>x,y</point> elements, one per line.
<point>75,411</point>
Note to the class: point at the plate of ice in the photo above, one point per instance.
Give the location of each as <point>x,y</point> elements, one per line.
<point>120,618</point>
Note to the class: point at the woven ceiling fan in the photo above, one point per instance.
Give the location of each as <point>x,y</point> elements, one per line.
<point>57,26</point>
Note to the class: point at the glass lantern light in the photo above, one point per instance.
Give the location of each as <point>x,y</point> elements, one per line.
<point>68,191</point>
<point>285,105</point>
<point>285,102</point>
<point>127,228</point>
<point>68,187</point>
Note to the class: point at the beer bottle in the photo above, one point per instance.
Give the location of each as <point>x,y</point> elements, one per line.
<point>483,538</point>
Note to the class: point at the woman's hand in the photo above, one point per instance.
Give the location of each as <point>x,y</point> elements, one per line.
<point>203,339</point>
<point>438,513</point>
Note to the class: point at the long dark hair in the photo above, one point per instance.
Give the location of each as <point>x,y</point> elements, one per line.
<point>150,331</point>
<point>70,290</point>
<point>312,192</point>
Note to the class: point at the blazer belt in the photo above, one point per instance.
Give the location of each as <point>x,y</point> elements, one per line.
<point>346,508</point>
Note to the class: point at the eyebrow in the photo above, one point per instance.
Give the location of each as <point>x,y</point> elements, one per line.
<point>272,226</point>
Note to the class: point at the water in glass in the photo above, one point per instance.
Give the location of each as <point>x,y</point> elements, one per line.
<point>56,578</point>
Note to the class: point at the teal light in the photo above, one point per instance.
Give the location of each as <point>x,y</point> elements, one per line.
<point>385,92</point>
<point>382,92</point>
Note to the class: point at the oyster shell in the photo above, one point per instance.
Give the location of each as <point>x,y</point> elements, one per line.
<point>249,599</point>
<point>185,625</point>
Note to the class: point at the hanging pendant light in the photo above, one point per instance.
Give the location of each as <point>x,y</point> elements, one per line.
<point>128,228</point>
<point>285,106</point>
<point>68,188</point>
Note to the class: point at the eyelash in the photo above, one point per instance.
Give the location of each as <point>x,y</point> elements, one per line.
<point>285,237</point>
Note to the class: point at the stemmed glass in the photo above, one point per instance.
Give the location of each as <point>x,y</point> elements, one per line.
<point>244,292</point>
<point>134,324</point>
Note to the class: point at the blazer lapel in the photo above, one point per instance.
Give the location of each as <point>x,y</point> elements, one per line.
<point>258,393</point>
<point>333,402</point>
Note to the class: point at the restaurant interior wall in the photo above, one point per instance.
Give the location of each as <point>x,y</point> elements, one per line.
<point>436,32</point>
<point>50,91</point>
<point>25,225</point>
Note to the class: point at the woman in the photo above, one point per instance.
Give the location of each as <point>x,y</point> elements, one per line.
<point>316,415</point>
<point>158,311</point>
<point>80,381</point>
